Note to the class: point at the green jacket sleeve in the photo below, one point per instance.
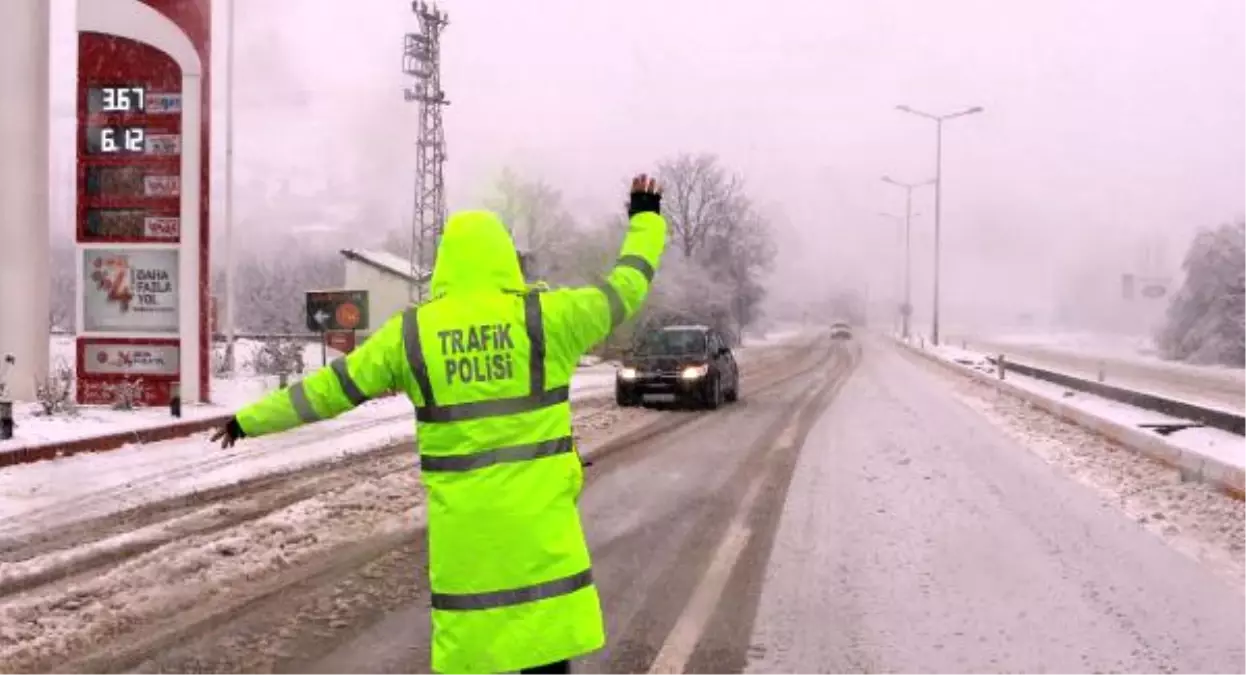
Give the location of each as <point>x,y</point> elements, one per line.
<point>374,368</point>
<point>582,317</point>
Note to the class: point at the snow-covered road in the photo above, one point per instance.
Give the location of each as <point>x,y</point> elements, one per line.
<point>921,534</point>
<point>92,545</point>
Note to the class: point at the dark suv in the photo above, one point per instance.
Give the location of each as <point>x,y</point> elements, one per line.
<point>679,364</point>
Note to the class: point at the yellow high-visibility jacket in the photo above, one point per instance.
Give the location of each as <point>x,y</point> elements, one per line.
<point>487,363</point>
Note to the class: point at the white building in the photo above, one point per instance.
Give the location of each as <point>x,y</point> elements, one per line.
<point>386,277</point>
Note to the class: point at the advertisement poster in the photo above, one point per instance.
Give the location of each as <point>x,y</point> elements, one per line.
<point>101,358</point>
<point>130,290</point>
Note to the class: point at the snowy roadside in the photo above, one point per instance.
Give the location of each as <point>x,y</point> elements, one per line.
<point>1194,518</point>
<point>1217,386</point>
<point>381,500</point>
<point>1219,445</point>
<point>228,394</point>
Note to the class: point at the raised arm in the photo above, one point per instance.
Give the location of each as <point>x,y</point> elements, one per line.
<point>587,315</point>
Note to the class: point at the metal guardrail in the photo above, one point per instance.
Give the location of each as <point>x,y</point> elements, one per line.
<point>1216,418</point>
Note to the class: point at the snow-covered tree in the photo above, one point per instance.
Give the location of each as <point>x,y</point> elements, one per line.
<point>738,256</point>
<point>1206,320</point>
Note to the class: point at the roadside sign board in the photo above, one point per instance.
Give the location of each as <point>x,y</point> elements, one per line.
<point>340,340</point>
<point>337,310</point>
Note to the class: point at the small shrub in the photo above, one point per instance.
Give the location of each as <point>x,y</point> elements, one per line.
<point>279,356</point>
<point>56,393</point>
<point>127,394</point>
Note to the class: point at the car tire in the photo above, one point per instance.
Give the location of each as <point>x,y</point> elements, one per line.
<point>714,397</point>
<point>733,394</point>
<point>625,400</point>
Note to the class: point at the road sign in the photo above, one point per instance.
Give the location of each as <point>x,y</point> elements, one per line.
<point>340,340</point>
<point>337,310</point>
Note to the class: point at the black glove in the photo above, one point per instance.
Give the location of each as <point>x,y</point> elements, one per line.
<point>646,195</point>
<point>228,434</point>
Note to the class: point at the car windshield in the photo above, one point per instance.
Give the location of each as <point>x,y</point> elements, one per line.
<point>673,342</point>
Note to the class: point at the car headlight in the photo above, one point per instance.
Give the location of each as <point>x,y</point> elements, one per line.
<point>627,373</point>
<point>693,372</point>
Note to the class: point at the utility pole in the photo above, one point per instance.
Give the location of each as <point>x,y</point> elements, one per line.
<point>906,310</point>
<point>421,59</point>
<point>938,183</point>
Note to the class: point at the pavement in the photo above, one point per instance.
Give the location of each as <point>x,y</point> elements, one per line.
<point>850,515</point>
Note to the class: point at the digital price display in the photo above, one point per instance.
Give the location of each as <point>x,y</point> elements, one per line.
<point>130,223</point>
<point>116,139</point>
<point>126,223</point>
<point>116,99</point>
<point>131,181</point>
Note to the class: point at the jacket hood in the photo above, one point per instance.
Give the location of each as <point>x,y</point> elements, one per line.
<point>476,253</point>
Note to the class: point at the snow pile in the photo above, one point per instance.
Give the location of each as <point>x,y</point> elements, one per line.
<point>45,494</point>
<point>185,574</point>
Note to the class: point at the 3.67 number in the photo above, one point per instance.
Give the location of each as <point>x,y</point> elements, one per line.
<point>123,99</point>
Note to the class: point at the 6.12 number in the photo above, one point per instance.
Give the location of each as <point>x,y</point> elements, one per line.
<point>131,141</point>
<point>123,99</point>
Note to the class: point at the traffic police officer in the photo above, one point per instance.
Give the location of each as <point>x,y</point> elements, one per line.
<point>487,363</point>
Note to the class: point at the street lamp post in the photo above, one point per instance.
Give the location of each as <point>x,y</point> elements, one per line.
<point>902,268</point>
<point>907,310</point>
<point>230,263</point>
<point>938,183</point>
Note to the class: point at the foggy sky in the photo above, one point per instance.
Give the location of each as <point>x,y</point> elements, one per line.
<point>1108,124</point>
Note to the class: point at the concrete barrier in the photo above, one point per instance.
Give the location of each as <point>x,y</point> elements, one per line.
<point>1192,465</point>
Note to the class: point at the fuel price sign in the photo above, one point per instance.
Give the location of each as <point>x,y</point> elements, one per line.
<point>142,198</point>
<point>129,162</point>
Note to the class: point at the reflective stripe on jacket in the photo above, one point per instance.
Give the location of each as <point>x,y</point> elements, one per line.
<point>487,364</point>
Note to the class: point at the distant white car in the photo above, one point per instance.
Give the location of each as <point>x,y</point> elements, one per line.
<point>841,331</point>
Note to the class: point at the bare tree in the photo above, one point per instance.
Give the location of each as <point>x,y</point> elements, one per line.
<point>699,198</point>
<point>271,287</point>
<point>539,221</point>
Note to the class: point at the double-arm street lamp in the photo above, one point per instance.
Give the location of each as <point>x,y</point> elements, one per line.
<point>938,183</point>
<point>906,310</point>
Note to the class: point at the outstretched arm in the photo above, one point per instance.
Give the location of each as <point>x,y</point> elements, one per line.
<point>348,381</point>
